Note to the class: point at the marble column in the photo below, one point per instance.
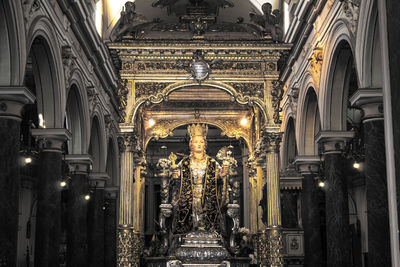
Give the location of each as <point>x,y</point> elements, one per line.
<point>337,205</point>
<point>95,213</point>
<point>126,232</point>
<point>12,100</point>
<point>272,238</point>
<point>48,215</point>
<point>310,212</point>
<point>370,101</point>
<point>77,241</point>
<point>110,225</point>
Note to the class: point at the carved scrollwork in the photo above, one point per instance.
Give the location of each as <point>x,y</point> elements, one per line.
<point>152,89</point>
<point>122,93</point>
<point>126,243</point>
<point>277,94</point>
<point>249,89</point>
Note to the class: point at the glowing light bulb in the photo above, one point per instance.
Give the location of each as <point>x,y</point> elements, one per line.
<point>87,197</point>
<point>321,184</point>
<point>151,122</point>
<point>63,183</point>
<point>356,165</point>
<point>28,160</point>
<point>244,121</point>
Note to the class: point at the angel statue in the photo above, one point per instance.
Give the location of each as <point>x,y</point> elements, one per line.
<point>128,21</point>
<point>269,22</point>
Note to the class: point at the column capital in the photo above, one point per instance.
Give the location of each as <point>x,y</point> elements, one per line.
<point>333,142</point>
<point>13,99</point>
<point>271,139</point>
<point>370,100</point>
<point>51,139</point>
<point>98,179</point>
<point>127,141</point>
<point>112,192</point>
<point>307,164</point>
<point>80,164</point>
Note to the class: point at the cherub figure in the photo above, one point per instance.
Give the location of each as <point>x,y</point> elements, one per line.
<point>269,22</point>
<point>128,21</point>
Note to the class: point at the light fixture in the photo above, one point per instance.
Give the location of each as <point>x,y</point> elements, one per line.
<point>28,160</point>
<point>151,122</point>
<point>41,121</point>
<point>87,197</point>
<point>356,165</point>
<point>244,121</point>
<point>321,184</point>
<point>63,184</point>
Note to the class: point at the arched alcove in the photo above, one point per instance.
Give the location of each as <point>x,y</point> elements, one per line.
<point>337,95</point>
<point>290,145</point>
<point>311,123</point>
<point>112,164</point>
<point>74,122</point>
<point>95,144</point>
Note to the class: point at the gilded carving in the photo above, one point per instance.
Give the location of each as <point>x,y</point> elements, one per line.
<point>130,247</point>
<point>127,66</point>
<point>122,93</point>
<point>271,141</point>
<point>277,94</point>
<point>274,247</point>
<point>316,64</point>
<point>127,142</point>
<point>249,89</point>
<point>149,88</point>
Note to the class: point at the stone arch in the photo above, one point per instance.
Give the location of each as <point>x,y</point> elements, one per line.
<point>311,126</point>
<point>289,151</point>
<point>338,56</point>
<point>75,121</point>
<point>48,72</point>
<point>12,43</point>
<point>77,83</point>
<point>162,96</point>
<point>98,143</point>
<point>334,94</point>
<point>367,54</point>
<point>112,167</point>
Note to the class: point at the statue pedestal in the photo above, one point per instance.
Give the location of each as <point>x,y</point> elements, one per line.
<point>201,248</point>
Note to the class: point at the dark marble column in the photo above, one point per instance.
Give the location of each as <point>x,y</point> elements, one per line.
<point>370,101</point>
<point>77,242</point>
<point>48,215</point>
<point>96,220</point>
<point>12,101</point>
<point>337,206</point>
<point>310,211</point>
<point>389,21</point>
<point>110,225</point>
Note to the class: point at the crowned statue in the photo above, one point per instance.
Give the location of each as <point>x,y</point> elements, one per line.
<point>196,200</point>
<point>200,187</point>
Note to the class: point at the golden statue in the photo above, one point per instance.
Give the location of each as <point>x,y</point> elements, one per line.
<point>199,187</point>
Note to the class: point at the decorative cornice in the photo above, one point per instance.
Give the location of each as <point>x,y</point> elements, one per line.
<point>51,140</point>
<point>333,141</point>
<point>307,164</point>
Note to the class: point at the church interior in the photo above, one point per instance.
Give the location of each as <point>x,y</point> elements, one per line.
<point>229,133</point>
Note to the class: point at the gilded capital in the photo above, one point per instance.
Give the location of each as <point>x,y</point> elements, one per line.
<point>271,141</point>
<point>127,142</point>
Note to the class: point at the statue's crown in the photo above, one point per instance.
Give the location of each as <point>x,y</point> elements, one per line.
<point>198,129</point>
